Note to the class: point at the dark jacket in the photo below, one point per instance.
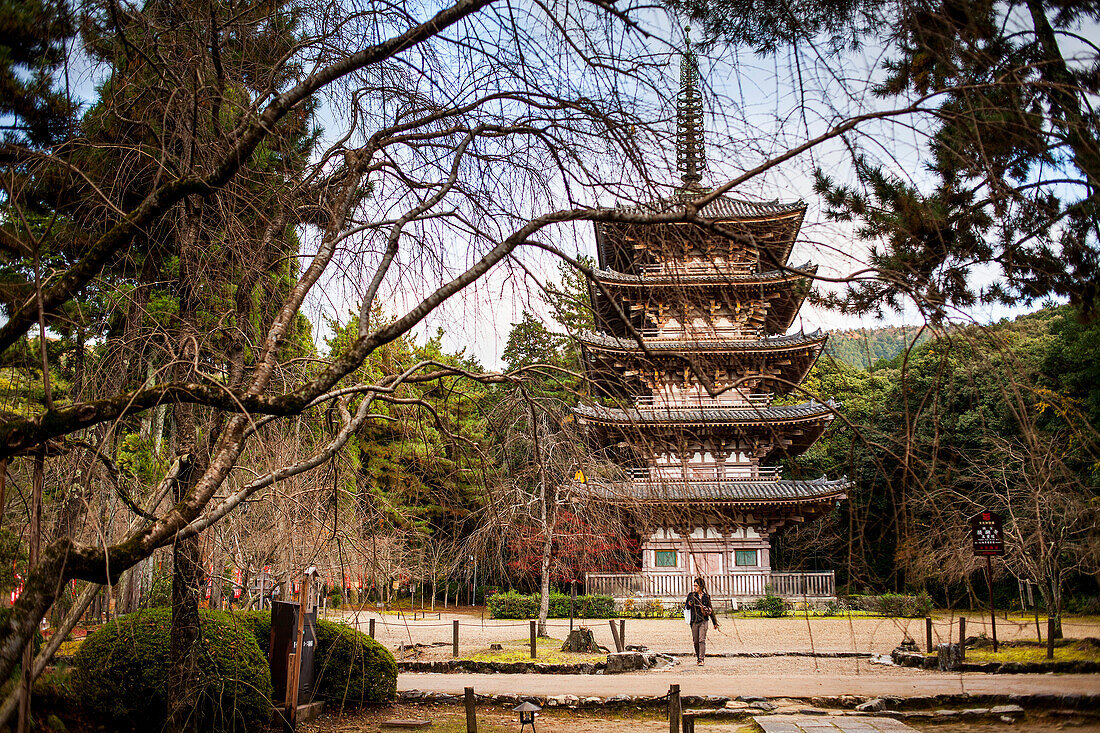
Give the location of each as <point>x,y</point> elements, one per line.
<point>695,602</point>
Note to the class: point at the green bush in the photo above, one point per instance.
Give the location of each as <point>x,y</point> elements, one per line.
<point>352,668</point>
<point>771,606</point>
<point>518,605</point>
<point>120,673</point>
<point>894,605</point>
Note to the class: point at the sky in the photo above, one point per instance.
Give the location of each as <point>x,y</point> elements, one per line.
<point>756,107</point>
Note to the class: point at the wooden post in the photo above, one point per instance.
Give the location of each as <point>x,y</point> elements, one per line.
<point>622,633</point>
<point>471,711</point>
<point>674,709</point>
<point>534,630</point>
<point>1050,637</point>
<point>928,632</point>
<point>688,723</point>
<point>615,635</point>
<point>572,594</point>
<point>370,628</point>
<point>992,612</point>
<point>294,665</point>
<point>454,639</point>
<point>962,637</point>
<point>1035,607</point>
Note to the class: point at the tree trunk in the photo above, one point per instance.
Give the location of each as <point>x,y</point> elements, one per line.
<point>547,533</point>
<point>183,649</point>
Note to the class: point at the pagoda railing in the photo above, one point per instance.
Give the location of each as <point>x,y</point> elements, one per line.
<point>714,334</point>
<point>702,267</point>
<point>727,586</point>
<point>734,399</point>
<point>703,473</point>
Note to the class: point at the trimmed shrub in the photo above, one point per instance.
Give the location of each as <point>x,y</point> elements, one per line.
<point>518,605</point>
<point>894,605</point>
<point>352,669</point>
<point>120,673</point>
<point>771,606</point>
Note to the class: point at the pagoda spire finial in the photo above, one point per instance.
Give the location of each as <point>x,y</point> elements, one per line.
<point>690,160</point>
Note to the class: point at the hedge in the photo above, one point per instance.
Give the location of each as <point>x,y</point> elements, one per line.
<point>352,668</point>
<point>894,605</point>
<point>518,605</point>
<point>120,673</point>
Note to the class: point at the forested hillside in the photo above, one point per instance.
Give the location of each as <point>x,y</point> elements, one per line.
<point>1003,417</point>
<point>865,347</point>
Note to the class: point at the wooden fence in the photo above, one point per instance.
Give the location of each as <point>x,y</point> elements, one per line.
<point>721,587</point>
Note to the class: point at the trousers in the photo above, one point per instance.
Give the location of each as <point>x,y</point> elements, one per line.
<point>699,639</point>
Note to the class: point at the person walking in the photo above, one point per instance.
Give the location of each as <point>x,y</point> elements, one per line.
<point>698,603</point>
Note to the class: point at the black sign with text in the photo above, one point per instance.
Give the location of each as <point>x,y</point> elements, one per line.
<point>985,529</point>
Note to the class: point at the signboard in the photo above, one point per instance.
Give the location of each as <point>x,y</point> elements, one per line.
<point>985,529</point>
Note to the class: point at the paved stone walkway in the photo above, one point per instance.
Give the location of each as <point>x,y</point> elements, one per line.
<point>821,724</point>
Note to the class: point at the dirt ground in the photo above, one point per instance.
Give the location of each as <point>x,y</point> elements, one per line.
<point>855,634</point>
<point>451,719</point>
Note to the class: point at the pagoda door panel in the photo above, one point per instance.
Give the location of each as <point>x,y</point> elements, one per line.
<point>707,563</point>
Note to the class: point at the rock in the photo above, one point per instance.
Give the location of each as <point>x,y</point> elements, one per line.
<point>947,713</point>
<point>716,700</point>
<point>918,714</point>
<point>581,640</point>
<point>637,648</point>
<point>872,706</point>
<point>1006,710</point>
<point>736,705</point>
<point>618,662</point>
<point>812,711</point>
<point>1007,719</point>
<point>948,657</point>
<point>975,712</point>
<point>591,701</point>
<point>496,648</point>
<point>762,705</point>
<point>570,700</point>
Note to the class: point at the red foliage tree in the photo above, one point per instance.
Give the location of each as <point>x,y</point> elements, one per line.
<point>579,546</point>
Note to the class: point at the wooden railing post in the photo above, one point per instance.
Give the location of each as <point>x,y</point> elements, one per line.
<point>674,709</point>
<point>471,710</point>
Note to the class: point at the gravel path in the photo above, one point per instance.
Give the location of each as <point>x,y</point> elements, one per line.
<point>857,634</point>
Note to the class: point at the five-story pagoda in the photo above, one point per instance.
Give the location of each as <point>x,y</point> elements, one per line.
<point>690,351</point>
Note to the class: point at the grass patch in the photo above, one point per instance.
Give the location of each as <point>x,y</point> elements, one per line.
<point>1032,654</point>
<point>69,647</point>
<point>548,650</point>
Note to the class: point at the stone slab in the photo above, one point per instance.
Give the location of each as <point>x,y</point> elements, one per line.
<point>839,724</point>
<point>310,711</point>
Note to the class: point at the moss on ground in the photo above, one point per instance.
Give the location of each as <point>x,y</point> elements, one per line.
<point>1031,654</point>
<point>548,650</point>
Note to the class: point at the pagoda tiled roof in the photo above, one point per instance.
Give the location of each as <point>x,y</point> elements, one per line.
<point>720,209</point>
<point>709,278</point>
<point>776,343</point>
<point>758,492</point>
<point>707,415</point>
